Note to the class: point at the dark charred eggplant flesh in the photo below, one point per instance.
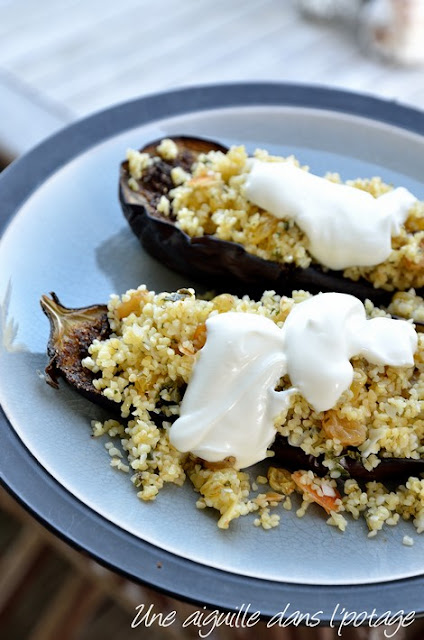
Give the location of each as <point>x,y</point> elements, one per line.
<point>220,264</point>
<point>73,330</point>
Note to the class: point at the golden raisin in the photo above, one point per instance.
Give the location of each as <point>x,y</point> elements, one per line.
<point>281,480</point>
<point>347,432</point>
<point>132,305</point>
<point>224,302</point>
<point>265,229</point>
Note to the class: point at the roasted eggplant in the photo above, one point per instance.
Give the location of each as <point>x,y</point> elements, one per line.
<point>71,333</point>
<point>73,330</point>
<point>349,464</point>
<point>220,264</point>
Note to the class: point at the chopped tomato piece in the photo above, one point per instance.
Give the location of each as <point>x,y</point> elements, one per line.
<point>330,500</point>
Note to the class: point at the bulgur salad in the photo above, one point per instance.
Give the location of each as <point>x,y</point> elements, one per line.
<point>146,367</point>
<point>364,229</point>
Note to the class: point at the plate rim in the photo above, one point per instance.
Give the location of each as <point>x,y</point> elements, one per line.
<point>177,576</point>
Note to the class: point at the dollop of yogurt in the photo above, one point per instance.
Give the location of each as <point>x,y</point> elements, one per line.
<point>324,332</point>
<point>345,226</point>
<point>230,405</point>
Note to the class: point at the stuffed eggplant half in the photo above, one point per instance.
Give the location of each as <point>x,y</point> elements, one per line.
<point>324,391</point>
<point>244,224</point>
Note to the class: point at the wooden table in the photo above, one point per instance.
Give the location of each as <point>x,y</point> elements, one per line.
<point>62,60</point>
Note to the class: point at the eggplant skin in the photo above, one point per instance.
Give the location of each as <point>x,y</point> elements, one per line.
<point>389,469</point>
<point>219,264</point>
<point>71,333</point>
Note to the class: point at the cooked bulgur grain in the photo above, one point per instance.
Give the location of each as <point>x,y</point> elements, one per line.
<point>148,360</point>
<point>167,149</point>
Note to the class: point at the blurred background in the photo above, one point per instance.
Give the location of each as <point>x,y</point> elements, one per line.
<point>60,61</point>
<point>63,60</point>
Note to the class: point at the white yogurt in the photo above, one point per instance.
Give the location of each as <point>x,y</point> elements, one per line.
<point>323,333</point>
<point>230,404</point>
<point>345,226</point>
